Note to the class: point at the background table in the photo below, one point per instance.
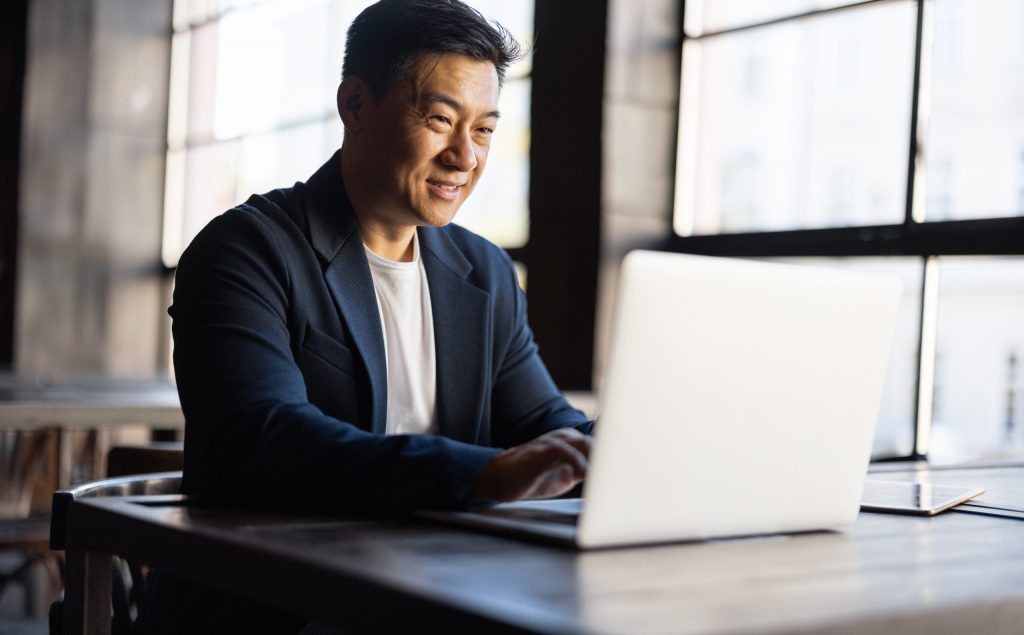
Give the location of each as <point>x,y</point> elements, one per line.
<point>87,402</point>
<point>93,405</point>
<point>954,573</point>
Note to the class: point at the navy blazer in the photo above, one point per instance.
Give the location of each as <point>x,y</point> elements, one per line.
<point>280,363</point>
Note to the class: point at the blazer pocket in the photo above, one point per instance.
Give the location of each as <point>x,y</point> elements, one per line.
<point>328,349</point>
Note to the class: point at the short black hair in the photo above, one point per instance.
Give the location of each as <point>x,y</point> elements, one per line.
<point>386,40</point>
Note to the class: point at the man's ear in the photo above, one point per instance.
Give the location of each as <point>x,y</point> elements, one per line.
<point>354,99</point>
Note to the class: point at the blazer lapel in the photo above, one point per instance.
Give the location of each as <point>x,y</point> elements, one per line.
<point>335,237</point>
<point>462,336</point>
<point>460,310</point>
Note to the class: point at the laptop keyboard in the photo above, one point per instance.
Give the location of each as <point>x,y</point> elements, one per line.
<point>542,515</point>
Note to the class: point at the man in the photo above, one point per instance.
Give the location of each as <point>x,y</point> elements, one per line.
<point>339,344</point>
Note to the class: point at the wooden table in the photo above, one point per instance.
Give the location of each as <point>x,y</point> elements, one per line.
<point>954,573</point>
<point>88,402</point>
<point>92,405</point>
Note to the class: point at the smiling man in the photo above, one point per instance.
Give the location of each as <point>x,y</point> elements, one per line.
<point>339,344</point>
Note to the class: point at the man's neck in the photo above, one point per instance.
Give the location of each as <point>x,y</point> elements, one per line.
<point>388,242</point>
<point>385,239</point>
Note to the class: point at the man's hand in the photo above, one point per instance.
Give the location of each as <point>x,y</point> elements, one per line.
<point>547,466</point>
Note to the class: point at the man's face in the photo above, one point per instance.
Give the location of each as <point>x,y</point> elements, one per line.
<point>428,138</point>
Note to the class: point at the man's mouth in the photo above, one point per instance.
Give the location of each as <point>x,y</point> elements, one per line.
<point>445,185</point>
<point>446,188</point>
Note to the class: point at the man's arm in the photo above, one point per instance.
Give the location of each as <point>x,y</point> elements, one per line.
<point>548,439</point>
<point>251,432</point>
<point>526,403</point>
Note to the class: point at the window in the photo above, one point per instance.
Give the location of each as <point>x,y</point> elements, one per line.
<point>1020,181</point>
<point>836,91</point>
<point>704,16</point>
<point>252,108</point>
<point>975,123</point>
<point>883,135</point>
<point>980,339</point>
<point>894,431</point>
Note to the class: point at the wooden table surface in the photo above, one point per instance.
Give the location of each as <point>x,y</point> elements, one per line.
<point>954,573</point>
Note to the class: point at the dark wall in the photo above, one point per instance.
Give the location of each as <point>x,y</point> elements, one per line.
<point>565,192</point>
<point>94,132</point>
<point>12,78</point>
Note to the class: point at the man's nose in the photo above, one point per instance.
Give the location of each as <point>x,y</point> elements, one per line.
<point>460,153</point>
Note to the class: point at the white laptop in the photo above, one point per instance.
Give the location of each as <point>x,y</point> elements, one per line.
<point>740,398</point>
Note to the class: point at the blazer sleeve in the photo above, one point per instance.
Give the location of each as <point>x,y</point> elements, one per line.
<point>526,401</point>
<point>251,433</point>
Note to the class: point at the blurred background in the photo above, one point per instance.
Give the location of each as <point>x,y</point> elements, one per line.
<point>880,135</point>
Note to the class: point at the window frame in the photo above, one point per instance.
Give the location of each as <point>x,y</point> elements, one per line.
<point>913,237</point>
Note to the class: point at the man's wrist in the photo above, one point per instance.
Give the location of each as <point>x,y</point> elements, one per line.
<point>489,486</point>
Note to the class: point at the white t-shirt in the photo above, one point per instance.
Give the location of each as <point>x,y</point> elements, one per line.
<point>403,300</point>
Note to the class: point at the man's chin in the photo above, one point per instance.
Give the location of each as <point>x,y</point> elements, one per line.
<point>438,218</point>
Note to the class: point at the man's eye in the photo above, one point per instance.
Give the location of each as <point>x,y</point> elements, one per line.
<point>486,131</point>
<point>441,119</point>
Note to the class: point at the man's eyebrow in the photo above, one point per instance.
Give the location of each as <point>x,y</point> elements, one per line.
<point>434,97</point>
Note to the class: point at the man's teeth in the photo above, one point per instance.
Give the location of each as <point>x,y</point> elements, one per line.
<point>448,188</point>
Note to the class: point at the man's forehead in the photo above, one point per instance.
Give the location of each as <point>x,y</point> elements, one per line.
<point>456,76</point>
<point>427,64</point>
<point>427,98</point>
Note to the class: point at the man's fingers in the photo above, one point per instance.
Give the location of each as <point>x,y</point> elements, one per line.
<point>556,480</point>
<point>570,454</point>
<point>573,437</point>
<point>549,465</point>
<point>581,442</point>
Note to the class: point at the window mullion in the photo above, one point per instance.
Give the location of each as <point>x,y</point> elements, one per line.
<point>926,358</point>
<point>914,211</point>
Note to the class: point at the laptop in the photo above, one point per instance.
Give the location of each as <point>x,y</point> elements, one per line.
<point>740,398</point>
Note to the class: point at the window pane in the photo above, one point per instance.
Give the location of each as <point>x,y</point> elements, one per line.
<point>894,434</point>
<point>202,83</point>
<point>499,206</point>
<point>177,103</point>
<point>803,124</point>
<point>716,15</point>
<point>271,63</point>
<point>260,68</point>
<point>280,158</point>
<point>174,208</point>
<point>191,12</point>
<point>517,17</point>
<point>180,14</point>
<point>974,155</point>
<point>979,378</point>
<point>188,12</point>
<point>210,175</point>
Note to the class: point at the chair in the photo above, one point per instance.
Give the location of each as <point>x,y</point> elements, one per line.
<point>124,460</point>
<point>26,455</point>
<point>29,537</point>
<point>128,586</point>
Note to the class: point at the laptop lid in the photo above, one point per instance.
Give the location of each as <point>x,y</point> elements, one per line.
<point>740,397</point>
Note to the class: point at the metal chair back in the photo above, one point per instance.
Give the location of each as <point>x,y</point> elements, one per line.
<point>136,485</point>
<point>128,579</point>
